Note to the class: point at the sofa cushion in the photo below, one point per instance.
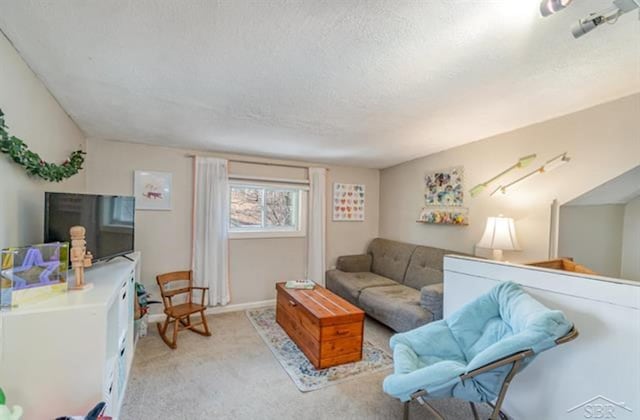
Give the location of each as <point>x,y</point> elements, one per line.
<point>396,306</point>
<point>349,285</point>
<point>390,258</point>
<point>431,298</point>
<point>354,263</point>
<point>425,267</point>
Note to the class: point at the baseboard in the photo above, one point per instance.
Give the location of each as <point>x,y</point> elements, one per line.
<point>223,309</point>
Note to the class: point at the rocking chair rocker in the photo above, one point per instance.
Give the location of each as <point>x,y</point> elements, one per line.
<point>180,314</point>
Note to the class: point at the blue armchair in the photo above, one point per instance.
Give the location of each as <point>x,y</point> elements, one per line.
<point>475,352</point>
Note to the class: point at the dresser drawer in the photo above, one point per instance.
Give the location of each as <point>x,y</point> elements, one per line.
<point>332,332</point>
<point>340,346</point>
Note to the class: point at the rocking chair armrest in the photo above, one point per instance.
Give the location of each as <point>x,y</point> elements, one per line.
<point>172,292</point>
<point>202,294</point>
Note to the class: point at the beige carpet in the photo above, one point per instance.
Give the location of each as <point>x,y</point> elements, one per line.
<point>233,375</point>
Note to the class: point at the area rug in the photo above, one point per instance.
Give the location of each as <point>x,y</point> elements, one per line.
<point>295,363</point>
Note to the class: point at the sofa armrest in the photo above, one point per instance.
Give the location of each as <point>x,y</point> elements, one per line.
<point>354,263</point>
<point>431,299</point>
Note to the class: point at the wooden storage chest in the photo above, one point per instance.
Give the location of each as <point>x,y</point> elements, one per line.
<point>328,329</point>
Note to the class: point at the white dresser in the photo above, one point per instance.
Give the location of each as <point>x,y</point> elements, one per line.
<point>64,355</point>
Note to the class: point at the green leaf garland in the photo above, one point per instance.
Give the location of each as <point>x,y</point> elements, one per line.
<point>33,163</point>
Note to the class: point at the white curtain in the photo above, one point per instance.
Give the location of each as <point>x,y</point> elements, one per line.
<point>211,228</point>
<point>317,218</point>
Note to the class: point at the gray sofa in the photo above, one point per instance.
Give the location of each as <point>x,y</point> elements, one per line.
<point>398,284</point>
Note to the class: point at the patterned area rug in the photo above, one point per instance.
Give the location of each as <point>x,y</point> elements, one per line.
<point>304,375</point>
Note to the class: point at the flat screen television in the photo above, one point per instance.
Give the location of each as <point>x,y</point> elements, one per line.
<point>108,220</point>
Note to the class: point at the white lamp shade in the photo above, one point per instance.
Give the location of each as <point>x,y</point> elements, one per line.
<point>500,233</point>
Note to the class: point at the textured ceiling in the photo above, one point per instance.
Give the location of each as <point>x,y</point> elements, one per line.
<point>368,83</point>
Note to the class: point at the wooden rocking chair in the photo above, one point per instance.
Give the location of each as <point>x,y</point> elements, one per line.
<point>180,315</point>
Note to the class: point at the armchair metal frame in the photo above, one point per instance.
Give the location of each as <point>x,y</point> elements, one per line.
<point>515,359</point>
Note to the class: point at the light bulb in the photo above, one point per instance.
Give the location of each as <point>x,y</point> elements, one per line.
<point>549,7</point>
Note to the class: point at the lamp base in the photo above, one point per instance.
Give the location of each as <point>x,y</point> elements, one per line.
<point>497,255</point>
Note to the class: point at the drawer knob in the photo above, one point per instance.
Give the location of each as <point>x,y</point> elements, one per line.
<point>292,303</point>
<point>342,332</point>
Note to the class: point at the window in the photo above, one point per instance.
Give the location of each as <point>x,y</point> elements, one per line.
<point>266,211</point>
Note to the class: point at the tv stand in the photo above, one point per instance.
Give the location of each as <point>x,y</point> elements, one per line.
<point>123,256</point>
<point>88,341</point>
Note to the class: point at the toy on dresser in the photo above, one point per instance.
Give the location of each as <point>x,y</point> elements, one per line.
<point>80,257</point>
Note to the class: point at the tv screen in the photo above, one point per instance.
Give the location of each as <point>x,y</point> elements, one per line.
<point>108,220</point>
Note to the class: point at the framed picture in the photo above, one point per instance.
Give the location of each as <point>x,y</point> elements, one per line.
<point>445,187</point>
<point>444,198</point>
<point>348,202</point>
<point>152,190</point>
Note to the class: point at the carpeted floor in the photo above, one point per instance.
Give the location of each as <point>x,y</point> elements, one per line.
<point>233,375</point>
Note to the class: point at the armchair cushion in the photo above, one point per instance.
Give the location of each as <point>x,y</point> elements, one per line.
<point>498,324</point>
<point>354,263</point>
<point>431,298</point>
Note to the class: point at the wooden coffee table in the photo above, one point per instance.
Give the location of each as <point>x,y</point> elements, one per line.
<point>328,329</point>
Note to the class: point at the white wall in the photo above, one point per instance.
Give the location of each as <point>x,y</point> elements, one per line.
<point>602,142</point>
<point>630,267</point>
<point>602,360</point>
<point>592,236</point>
<point>164,237</point>
<point>34,116</point>
<point>347,238</point>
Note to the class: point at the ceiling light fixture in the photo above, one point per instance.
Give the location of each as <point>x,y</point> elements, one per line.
<point>588,24</point>
<point>547,167</point>
<point>549,7</point>
<point>523,162</point>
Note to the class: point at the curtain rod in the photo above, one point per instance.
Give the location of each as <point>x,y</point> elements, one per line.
<point>252,162</point>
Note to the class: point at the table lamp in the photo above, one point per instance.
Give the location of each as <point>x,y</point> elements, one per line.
<point>499,235</point>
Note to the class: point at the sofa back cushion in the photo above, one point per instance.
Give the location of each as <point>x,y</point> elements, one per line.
<point>425,266</point>
<point>390,258</point>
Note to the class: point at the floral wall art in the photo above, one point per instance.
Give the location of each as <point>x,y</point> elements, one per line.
<point>348,202</point>
<point>444,198</point>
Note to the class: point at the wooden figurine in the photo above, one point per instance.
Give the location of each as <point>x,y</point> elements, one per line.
<point>80,257</point>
